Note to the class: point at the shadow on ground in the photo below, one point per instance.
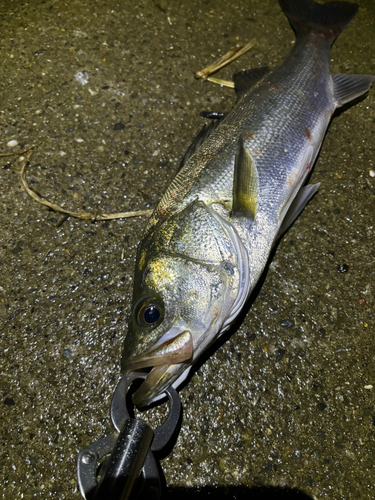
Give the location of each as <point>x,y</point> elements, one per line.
<point>234,493</point>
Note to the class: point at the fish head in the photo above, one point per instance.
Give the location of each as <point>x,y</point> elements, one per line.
<point>186,284</point>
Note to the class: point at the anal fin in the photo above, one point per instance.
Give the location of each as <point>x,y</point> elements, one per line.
<point>298,204</point>
<point>348,87</point>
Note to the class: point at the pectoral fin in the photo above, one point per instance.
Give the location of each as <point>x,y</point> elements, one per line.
<point>245,184</point>
<point>300,201</point>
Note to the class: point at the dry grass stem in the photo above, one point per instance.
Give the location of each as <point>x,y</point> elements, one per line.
<point>237,51</point>
<point>219,81</point>
<point>78,215</point>
<point>19,153</point>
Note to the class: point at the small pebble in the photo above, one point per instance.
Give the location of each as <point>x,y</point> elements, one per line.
<point>82,77</point>
<point>369,387</point>
<point>118,126</point>
<point>287,323</point>
<point>343,268</point>
<point>12,144</point>
<point>372,173</point>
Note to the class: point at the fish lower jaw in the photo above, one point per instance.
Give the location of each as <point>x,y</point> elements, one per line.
<point>157,381</point>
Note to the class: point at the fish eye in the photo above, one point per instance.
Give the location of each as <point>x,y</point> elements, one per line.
<point>149,313</point>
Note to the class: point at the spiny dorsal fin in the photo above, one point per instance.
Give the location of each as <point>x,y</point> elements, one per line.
<point>348,87</point>
<point>244,80</point>
<point>203,134</point>
<point>245,184</point>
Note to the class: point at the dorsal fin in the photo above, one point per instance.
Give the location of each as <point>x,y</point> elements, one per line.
<point>244,80</point>
<point>203,134</point>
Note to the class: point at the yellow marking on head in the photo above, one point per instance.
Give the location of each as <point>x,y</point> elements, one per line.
<point>161,272</point>
<point>142,260</point>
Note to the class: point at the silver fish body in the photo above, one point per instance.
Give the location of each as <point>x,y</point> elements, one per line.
<point>210,237</point>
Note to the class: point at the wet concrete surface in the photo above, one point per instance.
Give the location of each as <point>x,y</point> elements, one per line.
<point>288,399</point>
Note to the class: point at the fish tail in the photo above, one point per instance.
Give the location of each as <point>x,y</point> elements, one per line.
<point>327,20</point>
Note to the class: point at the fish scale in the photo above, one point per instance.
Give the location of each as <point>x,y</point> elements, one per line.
<point>281,102</point>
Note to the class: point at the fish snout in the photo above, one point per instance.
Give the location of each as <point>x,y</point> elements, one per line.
<point>167,359</point>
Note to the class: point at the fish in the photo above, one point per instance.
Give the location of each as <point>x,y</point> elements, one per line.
<point>240,186</point>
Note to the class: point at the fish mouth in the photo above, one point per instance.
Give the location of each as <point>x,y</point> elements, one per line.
<point>167,358</point>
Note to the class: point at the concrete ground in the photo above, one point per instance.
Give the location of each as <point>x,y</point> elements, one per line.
<point>288,399</point>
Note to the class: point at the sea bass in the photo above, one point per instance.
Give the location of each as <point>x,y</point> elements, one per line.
<point>240,187</point>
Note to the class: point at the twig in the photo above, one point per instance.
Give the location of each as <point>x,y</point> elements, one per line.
<point>219,81</point>
<point>81,215</point>
<point>47,253</point>
<point>18,153</point>
<point>232,54</point>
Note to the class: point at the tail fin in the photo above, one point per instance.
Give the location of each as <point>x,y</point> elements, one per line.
<point>328,20</point>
